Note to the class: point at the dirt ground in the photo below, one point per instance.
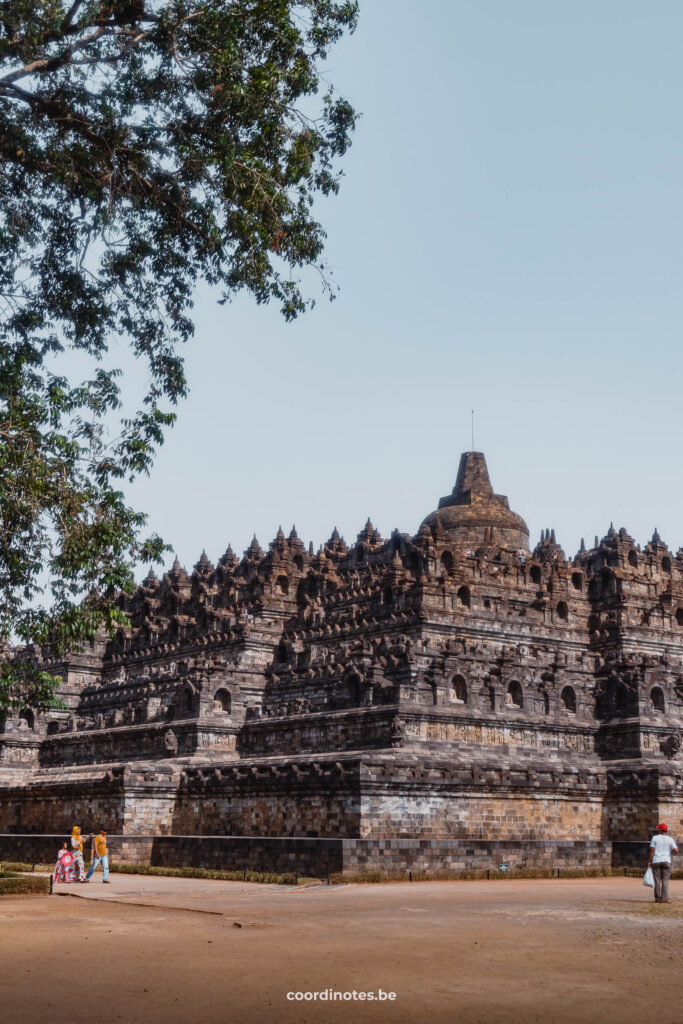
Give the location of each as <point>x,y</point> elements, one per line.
<point>169,950</point>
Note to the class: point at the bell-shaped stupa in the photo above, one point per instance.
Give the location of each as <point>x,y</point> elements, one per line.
<point>472,516</point>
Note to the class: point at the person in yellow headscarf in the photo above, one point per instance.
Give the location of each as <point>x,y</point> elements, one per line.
<point>77,850</point>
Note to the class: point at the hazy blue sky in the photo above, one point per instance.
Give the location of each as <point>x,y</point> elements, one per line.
<point>508,239</point>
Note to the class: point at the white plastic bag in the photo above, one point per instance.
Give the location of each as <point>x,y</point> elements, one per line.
<point>649,878</point>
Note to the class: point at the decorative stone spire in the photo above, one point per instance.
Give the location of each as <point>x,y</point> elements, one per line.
<point>254,552</point>
<point>369,534</point>
<point>657,545</point>
<point>472,483</point>
<point>229,559</point>
<point>548,550</point>
<point>617,540</point>
<point>151,579</point>
<point>203,566</point>
<point>336,544</point>
<point>177,574</point>
<point>473,515</point>
<point>278,542</point>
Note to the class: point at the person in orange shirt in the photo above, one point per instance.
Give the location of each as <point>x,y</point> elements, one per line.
<point>100,845</point>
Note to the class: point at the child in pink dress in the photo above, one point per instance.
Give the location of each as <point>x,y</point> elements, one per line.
<point>64,871</point>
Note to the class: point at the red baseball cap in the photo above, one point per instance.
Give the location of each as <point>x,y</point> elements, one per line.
<point>662,828</point>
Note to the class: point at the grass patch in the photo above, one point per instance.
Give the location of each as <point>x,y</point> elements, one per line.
<point>492,874</point>
<point>639,872</point>
<point>359,877</point>
<point>267,877</point>
<point>11,865</point>
<point>23,885</point>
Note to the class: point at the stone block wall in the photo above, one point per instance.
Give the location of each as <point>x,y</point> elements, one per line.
<point>149,799</point>
<point>125,743</point>
<point>392,856</point>
<point>303,856</point>
<point>318,857</point>
<point>301,799</point>
<point>350,730</point>
<point>432,730</point>
<point>638,797</point>
<point>33,849</point>
<point>58,806</point>
<point>510,817</point>
<point>18,751</point>
<point>484,801</point>
<point>42,849</point>
<point>670,807</point>
<point>132,801</point>
<point>434,855</point>
<point>630,854</point>
<point>394,797</point>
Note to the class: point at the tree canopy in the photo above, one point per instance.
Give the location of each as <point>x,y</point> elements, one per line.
<point>145,146</point>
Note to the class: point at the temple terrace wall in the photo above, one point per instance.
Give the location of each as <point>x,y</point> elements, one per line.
<point>318,857</point>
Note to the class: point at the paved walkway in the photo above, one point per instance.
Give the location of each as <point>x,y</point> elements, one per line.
<point>209,896</point>
<point>526,896</point>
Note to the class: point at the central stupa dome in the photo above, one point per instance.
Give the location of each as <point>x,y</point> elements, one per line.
<point>473,516</point>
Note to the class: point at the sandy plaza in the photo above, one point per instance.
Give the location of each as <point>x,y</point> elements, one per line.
<point>144,950</point>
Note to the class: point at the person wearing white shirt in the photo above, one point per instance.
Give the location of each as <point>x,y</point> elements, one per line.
<point>661,848</point>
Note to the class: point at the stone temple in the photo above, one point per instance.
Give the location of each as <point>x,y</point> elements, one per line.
<point>444,701</point>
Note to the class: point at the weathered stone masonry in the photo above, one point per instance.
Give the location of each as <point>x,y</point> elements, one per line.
<point>438,700</point>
